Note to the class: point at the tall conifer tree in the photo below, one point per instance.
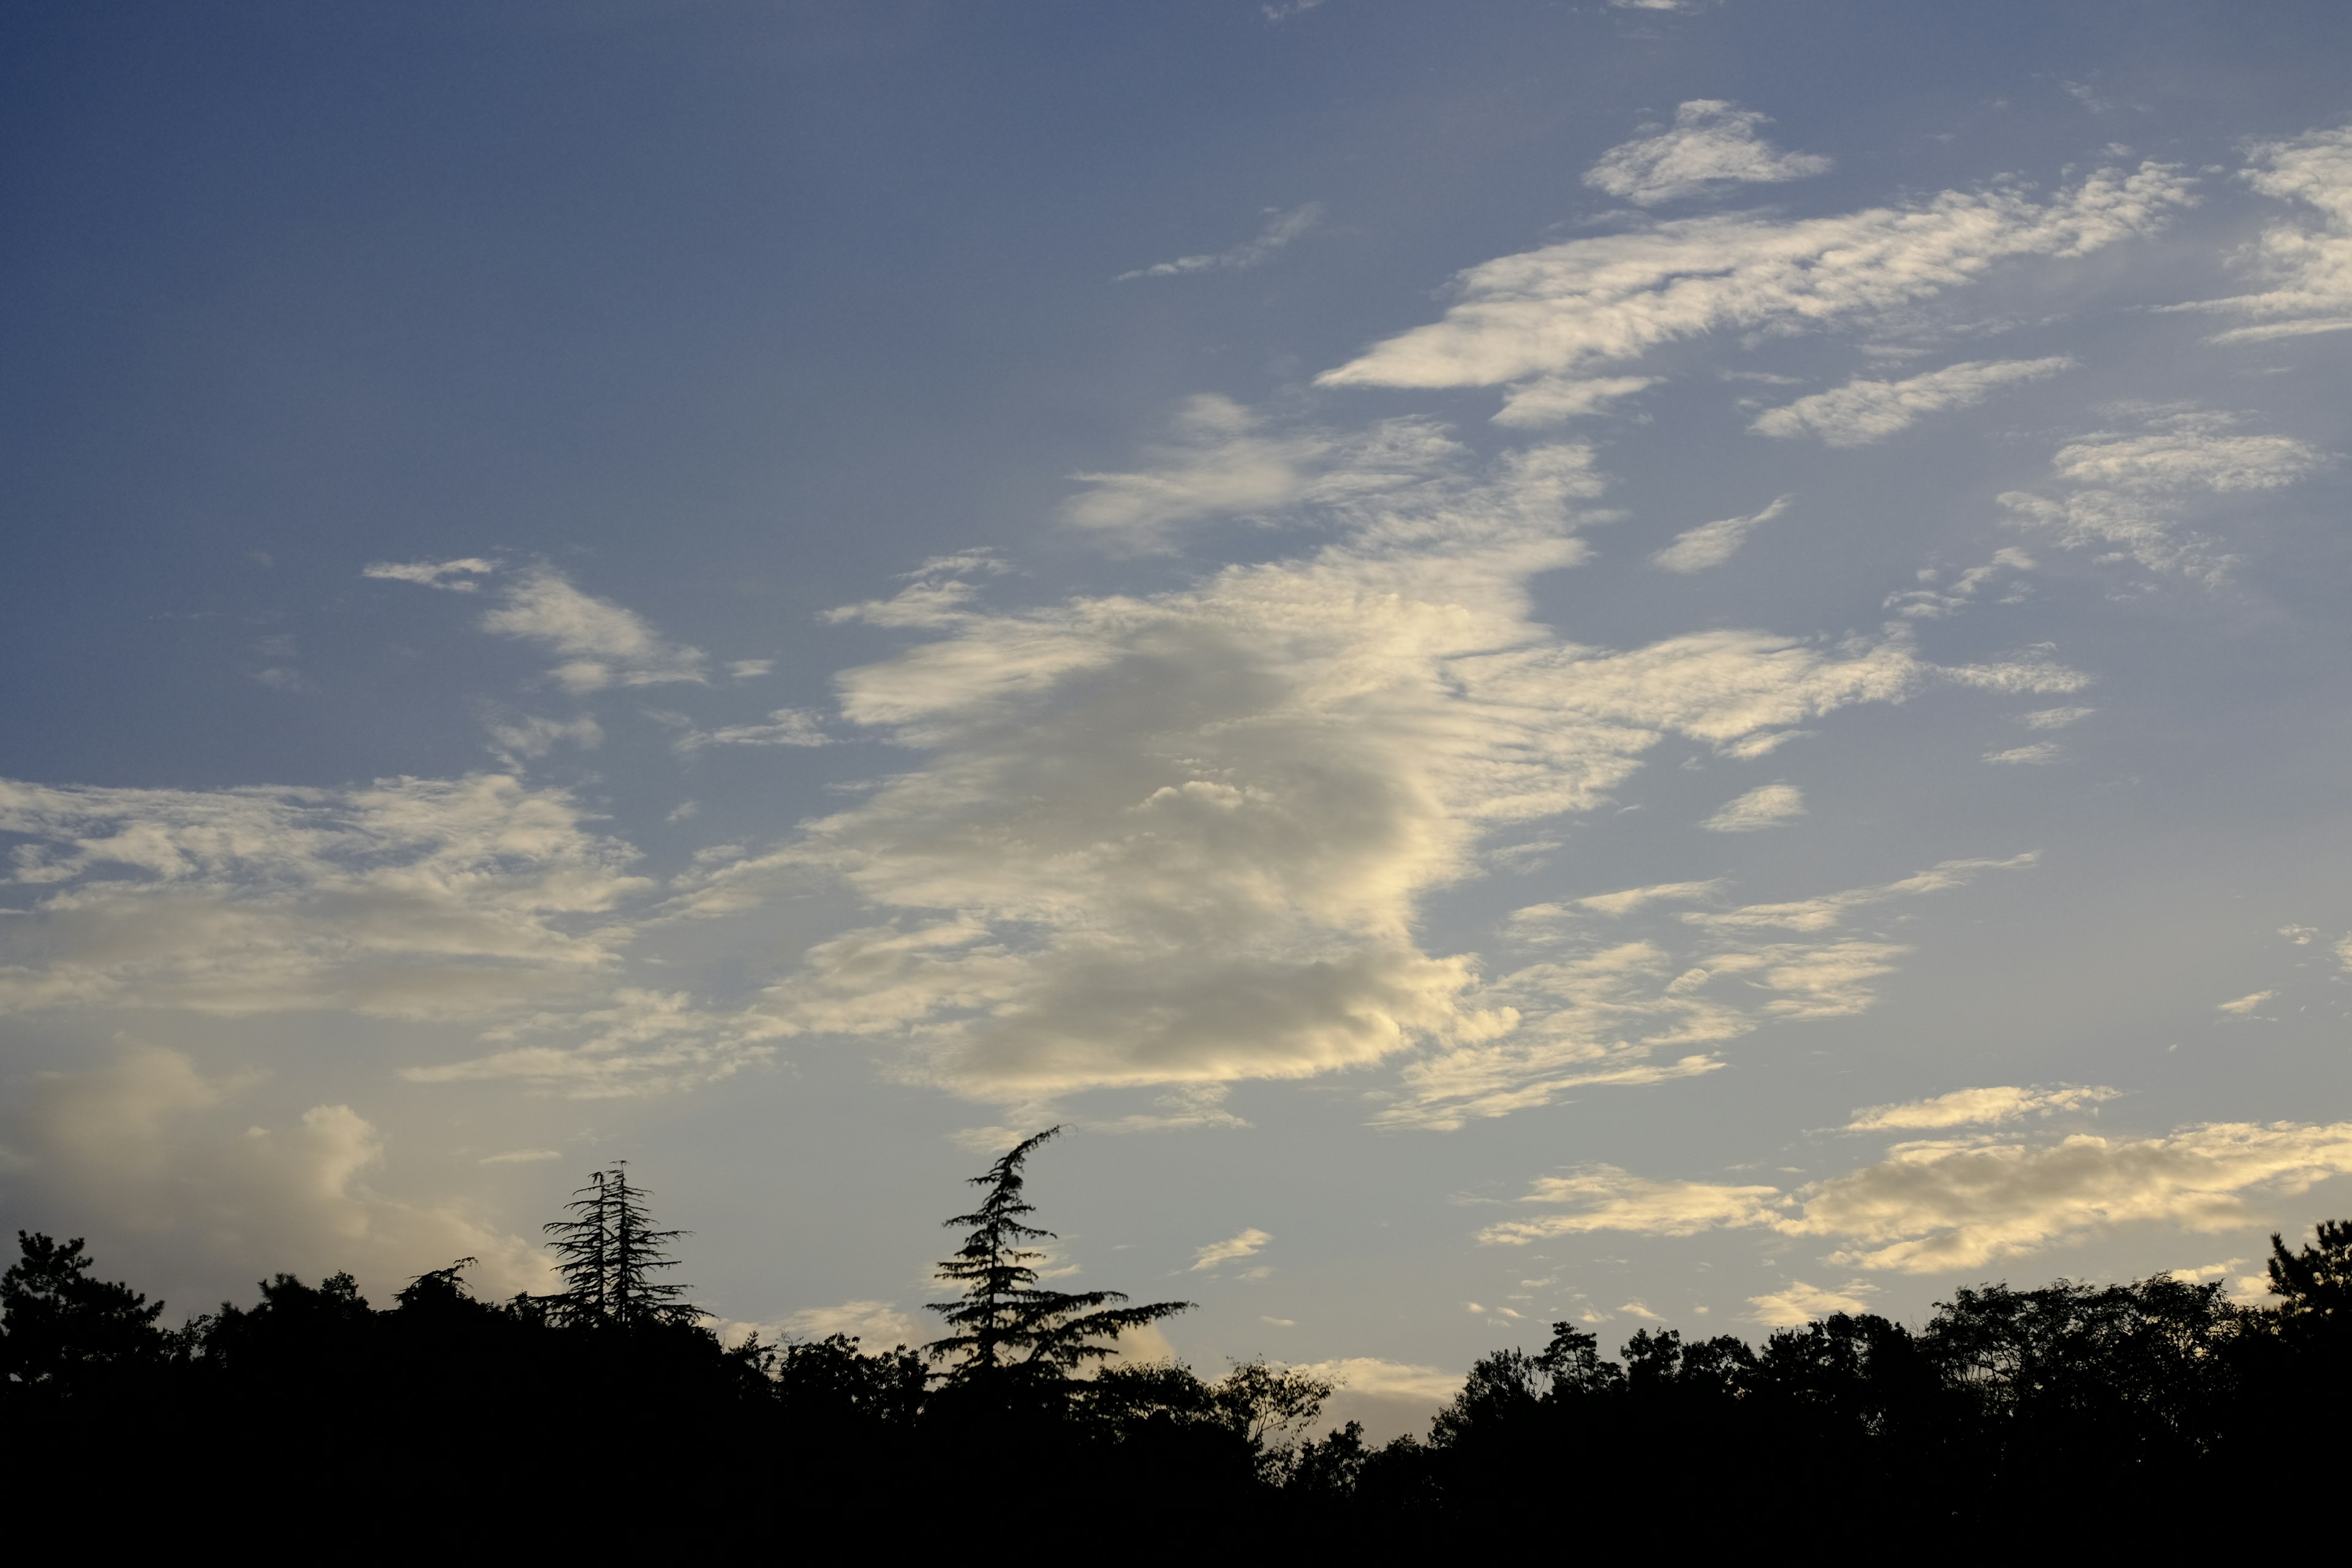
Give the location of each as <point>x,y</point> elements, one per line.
<point>608,1252</point>
<point>1008,1330</point>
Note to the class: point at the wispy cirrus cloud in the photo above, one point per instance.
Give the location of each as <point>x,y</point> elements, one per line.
<point>1980,1107</point>
<point>1712,145</point>
<point>1863,410</point>
<point>601,644</point>
<point>1767,806</point>
<point>1713,543</point>
<point>456,576</point>
<point>1248,1243</point>
<point>2306,263</point>
<point>1281,228</point>
<point>1568,307</point>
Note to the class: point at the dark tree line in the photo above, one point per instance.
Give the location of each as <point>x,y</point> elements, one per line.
<point>2114,1412</point>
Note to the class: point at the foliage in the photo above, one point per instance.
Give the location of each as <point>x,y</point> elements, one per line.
<point>1008,1329</point>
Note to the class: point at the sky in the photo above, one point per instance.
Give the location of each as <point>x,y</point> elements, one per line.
<point>1643,663</point>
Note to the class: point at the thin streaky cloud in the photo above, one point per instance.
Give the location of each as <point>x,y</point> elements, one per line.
<point>1564,308</point>
<point>457,576</point>
<point>1863,411</point>
<point>1767,806</point>
<point>1713,543</point>
<point>1248,1243</point>
<point>1280,231</point>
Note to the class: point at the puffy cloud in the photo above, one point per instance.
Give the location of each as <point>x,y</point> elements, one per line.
<point>1185,838</point>
<point>1798,1303</point>
<point>1584,302</point>
<point>1965,1106</point>
<point>1767,806</point>
<point>2245,1006</point>
<point>2307,263</point>
<point>1863,411</point>
<point>1713,543</point>
<point>457,576</point>
<point>601,643</point>
<point>1941,1205</point>
<point>1281,228</point>
<point>1936,1207</point>
<point>409,898</point>
<point>1246,1244</point>
<point>151,1158</point>
<point>1711,144</point>
<point>2137,486</point>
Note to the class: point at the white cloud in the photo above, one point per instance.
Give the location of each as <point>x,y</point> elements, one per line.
<point>1941,600</point>
<point>1822,913</point>
<point>1937,1206</point>
<point>409,898</point>
<point>1863,411</point>
<point>601,643</point>
<point>1767,806</point>
<point>2137,486</point>
<point>1713,543</point>
<point>2245,1006</point>
<point>2307,263</point>
<point>518,740</point>
<point>1965,1107</point>
<point>162,1166</point>
<point>785,727</point>
<point>1798,1303</point>
<point>2056,718</point>
<point>2034,754</point>
<point>521,1157</point>
<point>1246,1244</point>
<point>877,1324</point>
<point>1554,400</point>
<point>1280,229</point>
<point>1634,897</point>
<point>1584,302</point>
<point>1224,462</point>
<point>1185,838</point>
<point>1710,145</point>
<point>1605,1009</point>
<point>455,575</point>
<point>1608,1198</point>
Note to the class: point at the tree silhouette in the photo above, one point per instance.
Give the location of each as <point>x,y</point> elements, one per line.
<point>1008,1330</point>
<point>608,1252</point>
<point>2315,1283</point>
<point>59,1328</point>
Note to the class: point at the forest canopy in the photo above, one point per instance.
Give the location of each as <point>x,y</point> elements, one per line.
<point>2059,1404</point>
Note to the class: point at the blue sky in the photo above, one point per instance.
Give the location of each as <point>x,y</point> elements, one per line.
<point>1633,663</point>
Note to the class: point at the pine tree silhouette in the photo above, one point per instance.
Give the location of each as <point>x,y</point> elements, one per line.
<point>1010,1332</point>
<point>607,1253</point>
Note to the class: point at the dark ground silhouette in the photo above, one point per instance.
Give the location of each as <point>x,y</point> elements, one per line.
<point>604,1416</point>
